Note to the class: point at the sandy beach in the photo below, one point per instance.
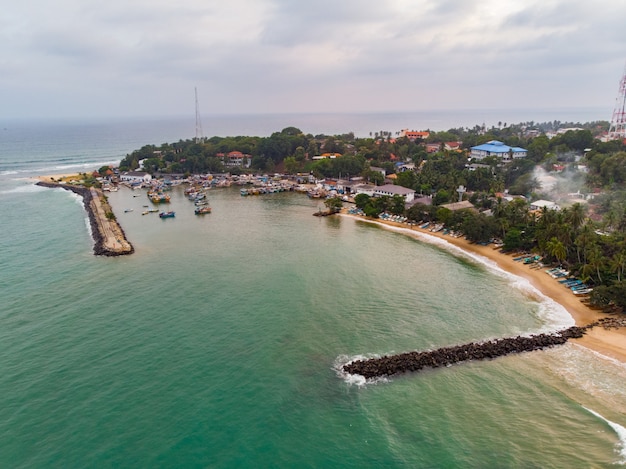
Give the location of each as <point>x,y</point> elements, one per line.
<point>59,177</point>
<point>608,342</point>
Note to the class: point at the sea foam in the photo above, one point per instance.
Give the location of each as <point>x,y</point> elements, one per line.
<point>355,379</point>
<point>619,431</point>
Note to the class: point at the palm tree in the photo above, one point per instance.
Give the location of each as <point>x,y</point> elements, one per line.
<point>584,241</point>
<point>576,215</point>
<point>618,264</point>
<point>597,260</point>
<point>556,248</point>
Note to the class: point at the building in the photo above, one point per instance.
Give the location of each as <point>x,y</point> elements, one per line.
<point>414,135</point>
<point>540,204</point>
<point>391,190</point>
<point>237,159</point>
<point>499,150</point>
<point>462,205</point>
<point>327,156</point>
<point>136,177</point>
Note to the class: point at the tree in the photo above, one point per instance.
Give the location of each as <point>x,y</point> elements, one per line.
<point>291,165</point>
<point>618,264</point>
<point>334,204</point>
<point>300,155</point>
<point>512,240</point>
<point>397,205</point>
<point>361,200</point>
<point>556,249</point>
<point>441,197</point>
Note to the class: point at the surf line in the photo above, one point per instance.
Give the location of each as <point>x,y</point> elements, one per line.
<point>415,361</point>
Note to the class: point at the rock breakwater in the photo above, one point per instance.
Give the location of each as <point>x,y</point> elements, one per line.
<point>445,356</point>
<point>108,236</point>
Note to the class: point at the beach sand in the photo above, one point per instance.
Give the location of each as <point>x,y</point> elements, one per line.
<point>59,177</point>
<point>607,342</point>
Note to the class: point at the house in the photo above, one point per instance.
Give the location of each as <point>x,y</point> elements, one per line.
<point>540,204</point>
<point>378,170</point>
<point>402,167</point>
<point>136,177</point>
<point>363,189</point>
<point>414,135</point>
<point>433,147</point>
<point>499,150</point>
<point>237,159</point>
<point>454,206</point>
<point>452,146</point>
<point>391,190</point>
<point>327,156</point>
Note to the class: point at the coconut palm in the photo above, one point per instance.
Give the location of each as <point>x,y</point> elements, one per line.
<point>618,264</point>
<point>557,249</point>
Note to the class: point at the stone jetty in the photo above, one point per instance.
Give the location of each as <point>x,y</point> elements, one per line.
<point>109,238</point>
<point>416,361</point>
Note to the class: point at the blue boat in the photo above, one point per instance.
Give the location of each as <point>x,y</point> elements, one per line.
<point>167,214</point>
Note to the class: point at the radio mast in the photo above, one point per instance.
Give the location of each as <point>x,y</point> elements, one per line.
<point>617,130</point>
<point>199,135</point>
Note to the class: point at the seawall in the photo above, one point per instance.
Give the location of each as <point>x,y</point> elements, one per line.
<point>108,236</point>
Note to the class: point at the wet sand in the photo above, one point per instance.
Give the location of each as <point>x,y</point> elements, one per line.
<point>610,343</point>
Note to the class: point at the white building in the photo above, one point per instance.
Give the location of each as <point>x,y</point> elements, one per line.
<point>391,190</point>
<point>135,177</point>
<point>540,204</point>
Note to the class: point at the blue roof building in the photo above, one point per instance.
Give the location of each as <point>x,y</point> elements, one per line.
<point>498,149</point>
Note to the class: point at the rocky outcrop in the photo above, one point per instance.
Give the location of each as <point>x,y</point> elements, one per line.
<point>108,236</point>
<point>416,361</point>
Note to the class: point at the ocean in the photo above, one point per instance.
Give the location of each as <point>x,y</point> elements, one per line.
<point>219,342</point>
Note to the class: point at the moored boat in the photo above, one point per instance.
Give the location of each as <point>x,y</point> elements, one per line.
<point>202,210</point>
<point>159,197</point>
<point>167,214</point>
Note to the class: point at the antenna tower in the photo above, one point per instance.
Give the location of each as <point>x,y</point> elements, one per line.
<point>617,130</point>
<point>199,135</point>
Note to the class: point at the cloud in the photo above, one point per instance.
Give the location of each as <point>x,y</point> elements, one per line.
<point>282,55</point>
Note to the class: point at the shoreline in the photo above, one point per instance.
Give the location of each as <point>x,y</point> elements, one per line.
<point>108,236</point>
<point>610,343</point>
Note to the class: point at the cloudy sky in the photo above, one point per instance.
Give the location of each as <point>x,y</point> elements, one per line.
<point>80,58</point>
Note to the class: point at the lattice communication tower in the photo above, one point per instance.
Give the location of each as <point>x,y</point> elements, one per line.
<point>617,130</point>
<point>199,136</point>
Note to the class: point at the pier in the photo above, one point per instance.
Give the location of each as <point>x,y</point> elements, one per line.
<point>109,238</point>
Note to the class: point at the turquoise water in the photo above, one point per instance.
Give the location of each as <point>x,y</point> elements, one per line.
<point>218,344</point>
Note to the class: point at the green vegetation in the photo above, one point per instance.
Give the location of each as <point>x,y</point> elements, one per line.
<point>334,204</point>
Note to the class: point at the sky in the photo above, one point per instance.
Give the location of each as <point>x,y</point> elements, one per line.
<point>80,58</point>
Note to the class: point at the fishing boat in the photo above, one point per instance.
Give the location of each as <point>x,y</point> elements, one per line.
<point>159,197</point>
<point>202,210</point>
<point>128,210</point>
<point>167,214</point>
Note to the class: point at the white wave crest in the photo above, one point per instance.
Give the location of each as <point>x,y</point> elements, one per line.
<point>355,379</point>
<point>620,432</point>
<point>24,189</point>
